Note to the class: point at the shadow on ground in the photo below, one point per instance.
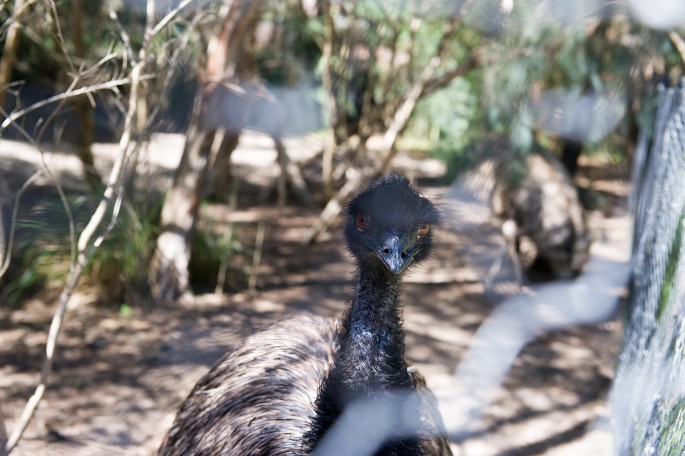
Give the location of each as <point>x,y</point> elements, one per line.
<point>119,378</point>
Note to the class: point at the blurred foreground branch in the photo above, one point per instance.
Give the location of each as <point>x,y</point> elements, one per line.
<point>678,42</point>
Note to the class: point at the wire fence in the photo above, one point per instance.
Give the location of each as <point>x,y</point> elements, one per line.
<point>648,399</point>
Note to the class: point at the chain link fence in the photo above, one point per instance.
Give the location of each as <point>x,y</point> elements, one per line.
<point>648,398</point>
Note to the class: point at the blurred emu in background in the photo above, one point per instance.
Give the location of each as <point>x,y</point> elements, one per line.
<point>542,217</point>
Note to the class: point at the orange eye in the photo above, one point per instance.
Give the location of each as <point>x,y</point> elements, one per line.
<point>423,230</point>
<point>361,221</point>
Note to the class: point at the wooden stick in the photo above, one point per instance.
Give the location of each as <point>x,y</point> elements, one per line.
<point>256,258</point>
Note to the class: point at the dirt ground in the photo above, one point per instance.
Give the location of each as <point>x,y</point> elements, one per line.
<point>118,379</point>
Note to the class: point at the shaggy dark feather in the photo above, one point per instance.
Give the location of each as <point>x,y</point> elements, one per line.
<point>547,210</point>
<point>227,412</point>
<point>280,391</point>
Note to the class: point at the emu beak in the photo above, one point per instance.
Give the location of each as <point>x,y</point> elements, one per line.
<point>392,254</point>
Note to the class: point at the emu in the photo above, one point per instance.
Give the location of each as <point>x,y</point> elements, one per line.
<point>551,231</point>
<point>281,390</point>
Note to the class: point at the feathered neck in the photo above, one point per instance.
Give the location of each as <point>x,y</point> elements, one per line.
<point>371,353</point>
<point>370,356</point>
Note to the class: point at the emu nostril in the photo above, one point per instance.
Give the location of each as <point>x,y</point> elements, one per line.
<point>386,250</point>
<point>404,254</point>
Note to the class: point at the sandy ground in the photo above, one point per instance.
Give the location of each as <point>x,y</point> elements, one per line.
<point>119,378</point>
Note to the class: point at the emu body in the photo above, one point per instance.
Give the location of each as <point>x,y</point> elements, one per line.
<point>551,228</point>
<point>281,390</point>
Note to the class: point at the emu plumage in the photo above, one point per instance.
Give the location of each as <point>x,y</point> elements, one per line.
<point>282,389</point>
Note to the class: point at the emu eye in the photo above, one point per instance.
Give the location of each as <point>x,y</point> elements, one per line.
<point>362,220</point>
<point>423,230</point>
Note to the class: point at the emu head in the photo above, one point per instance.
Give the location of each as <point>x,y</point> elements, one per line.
<point>389,225</point>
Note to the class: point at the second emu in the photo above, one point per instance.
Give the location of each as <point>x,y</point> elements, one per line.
<point>281,390</point>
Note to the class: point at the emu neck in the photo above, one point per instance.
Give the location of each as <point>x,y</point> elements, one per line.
<point>371,354</point>
<point>370,357</point>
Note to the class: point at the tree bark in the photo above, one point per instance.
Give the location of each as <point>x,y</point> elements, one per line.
<point>179,216</point>
<point>570,154</point>
<point>222,178</point>
<point>225,61</point>
<point>9,52</point>
<point>327,82</point>
<point>290,174</point>
<point>83,109</point>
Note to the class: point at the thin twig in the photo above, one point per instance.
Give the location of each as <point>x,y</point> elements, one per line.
<point>256,258</point>
<point>678,42</point>
<point>69,94</point>
<point>35,142</point>
<point>169,17</point>
<point>84,251</point>
<point>15,210</point>
<point>96,66</point>
<point>227,239</point>
<point>124,35</point>
<point>60,36</point>
<point>15,14</point>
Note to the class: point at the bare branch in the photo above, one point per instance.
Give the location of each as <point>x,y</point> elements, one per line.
<point>60,36</point>
<point>399,121</point>
<point>19,9</point>
<point>11,46</point>
<point>10,240</point>
<point>678,42</point>
<point>84,250</point>
<point>124,35</point>
<point>4,263</point>
<point>168,18</point>
<point>109,85</point>
<point>444,79</point>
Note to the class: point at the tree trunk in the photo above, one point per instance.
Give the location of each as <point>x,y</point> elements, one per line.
<point>226,58</point>
<point>9,52</point>
<point>570,154</point>
<point>327,82</point>
<point>179,215</point>
<point>648,398</point>
<point>290,173</point>
<point>83,109</point>
<point>228,141</point>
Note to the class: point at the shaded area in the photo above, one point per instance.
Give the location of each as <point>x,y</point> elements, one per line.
<point>115,372</point>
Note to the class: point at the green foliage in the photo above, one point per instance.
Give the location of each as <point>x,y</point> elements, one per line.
<point>671,268</point>
<point>42,254</point>
<point>125,310</point>
<point>25,277</point>
<point>295,48</point>
<point>672,439</point>
<point>210,247</point>
<point>205,259</point>
<point>119,267</point>
<point>447,119</point>
<point>39,259</point>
